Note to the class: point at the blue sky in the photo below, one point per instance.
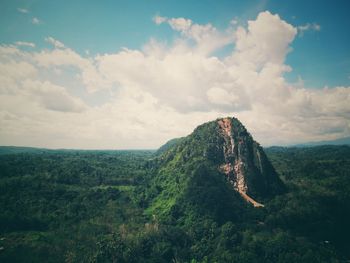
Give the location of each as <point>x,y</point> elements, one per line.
<point>321,58</point>
<point>93,74</point>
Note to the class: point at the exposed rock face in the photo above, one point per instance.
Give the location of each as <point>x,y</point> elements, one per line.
<point>245,163</point>
<point>234,166</point>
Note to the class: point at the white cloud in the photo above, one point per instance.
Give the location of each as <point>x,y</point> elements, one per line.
<point>54,42</point>
<point>52,97</point>
<point>36,21</point>
<point>25,44</point>
<point>180,24</point>
<point>60,57</point>
<point>234,21</point>
<point>207,38</point>
<point>13,72</point>
<point>224,98</point>
<point>266,40</point>
<point>9,51</point>
<point>159,19</point>
<point>309,27</point>
<point>165,90</point>
<point>23,10</point>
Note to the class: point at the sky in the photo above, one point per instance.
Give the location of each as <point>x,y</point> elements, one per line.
<point>134,74</point>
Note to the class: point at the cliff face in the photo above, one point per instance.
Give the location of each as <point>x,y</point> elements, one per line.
<point>243,163</point>
<point>225,146</point>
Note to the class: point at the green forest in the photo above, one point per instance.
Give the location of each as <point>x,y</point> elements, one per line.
<point>167,206</point>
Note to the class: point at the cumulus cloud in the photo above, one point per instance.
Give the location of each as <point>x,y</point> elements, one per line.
<point>266,40</point>
<point>23,10</point>
<point>36,21</point>
<point>25,44</point>
<point>227,99</point>
<point>165,90</point>
<point>20,77</point>
<point>159,19</point>
<point>54,42</point>
<point>59,57</point>
<point>51,96</point>
<point>309,27</point>
<point>207,38</point>
<point>234,21</point>
<point>12,72</point>
<point>180,24</point>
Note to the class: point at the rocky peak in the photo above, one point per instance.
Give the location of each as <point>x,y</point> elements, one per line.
<point>234,160</point>
<point>227,146</point>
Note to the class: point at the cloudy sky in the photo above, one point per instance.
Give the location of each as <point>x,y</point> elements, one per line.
<point>134,74</point>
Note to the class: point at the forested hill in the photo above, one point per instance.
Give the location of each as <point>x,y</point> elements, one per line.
<point>34,150</point>
<point>94,206</point>
<point>222,159</point>
<point>16,149</point>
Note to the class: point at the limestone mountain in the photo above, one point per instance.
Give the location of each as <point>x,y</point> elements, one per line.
<point>245,163</point>
<point>220,158</point>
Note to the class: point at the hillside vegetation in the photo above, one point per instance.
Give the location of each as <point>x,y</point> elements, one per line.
<point>137,206</point>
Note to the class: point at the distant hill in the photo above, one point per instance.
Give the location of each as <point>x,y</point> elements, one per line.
<point>340,141</point>
<point>34,150</point>
<point>18,149</point>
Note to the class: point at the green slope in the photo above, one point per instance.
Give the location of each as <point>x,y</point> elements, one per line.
<point>187,175</point>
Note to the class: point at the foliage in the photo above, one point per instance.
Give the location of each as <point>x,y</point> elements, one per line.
<point>135,206</point>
